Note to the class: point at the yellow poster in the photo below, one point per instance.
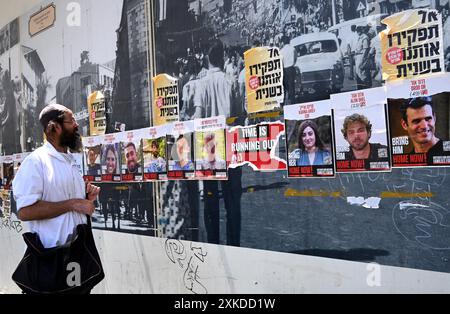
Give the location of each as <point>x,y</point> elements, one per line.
<point>97,113</point>
<point>263,79</point>
<point>165,99</point>
<point>412,44</point>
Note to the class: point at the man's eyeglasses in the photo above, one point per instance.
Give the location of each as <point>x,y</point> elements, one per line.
<point>72,121</point>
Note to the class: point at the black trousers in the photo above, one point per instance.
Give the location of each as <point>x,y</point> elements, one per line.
<point>231,192</point>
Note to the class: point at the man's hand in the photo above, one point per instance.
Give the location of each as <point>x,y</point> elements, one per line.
<point>92,191</point>
<point>82,206</point>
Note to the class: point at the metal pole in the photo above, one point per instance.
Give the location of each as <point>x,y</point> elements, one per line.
<point>333,11</point>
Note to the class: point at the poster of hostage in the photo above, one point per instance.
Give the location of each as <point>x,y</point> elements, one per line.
<point>264,79</point>
<point>412,44</point>
<point>8,171</point>
<point>154,153</point>
<point>110,157</point>
<point>131,157</point>
<point>210,154</point>
<point>309,139</point>
<point>92,147</point>
<point>5,208</point>
<point>18,159</point>
<point>418,121</point>
<point>361,133</point>
<point>180,151</point>
<point>165,99</point>
<point>257,146</point>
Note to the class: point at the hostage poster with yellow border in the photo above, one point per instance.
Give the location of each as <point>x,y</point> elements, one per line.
<point>165,104</point>
<point>412,44</point>
<point>263,79</point>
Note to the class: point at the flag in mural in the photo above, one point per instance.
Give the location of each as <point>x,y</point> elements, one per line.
<point>264,78</point>
<point>412,44</point>
<point>165,99</point>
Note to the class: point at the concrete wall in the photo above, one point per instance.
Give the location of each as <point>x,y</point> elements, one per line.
<point>137,264</point>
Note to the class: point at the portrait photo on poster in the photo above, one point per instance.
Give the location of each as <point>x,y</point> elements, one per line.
<point>131,160</point>
<point>111,162</point>
<point>180,155</point>
<point>419,122</point>
<point>8,171</point>
<point>309,139</point>
<point>361,132</point>
<point>210,154</point>
<point>154,154</point>
<point>111,145</point>
<point>92,162</point>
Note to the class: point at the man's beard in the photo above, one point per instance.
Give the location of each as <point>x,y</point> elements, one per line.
<point>71,140</point>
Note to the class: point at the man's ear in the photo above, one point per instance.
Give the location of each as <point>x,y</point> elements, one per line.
<point>404,125</point>
<point>50,127</point>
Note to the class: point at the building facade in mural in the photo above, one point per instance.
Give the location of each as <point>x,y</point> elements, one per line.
<point>131,96</point>
<point>76,88</point>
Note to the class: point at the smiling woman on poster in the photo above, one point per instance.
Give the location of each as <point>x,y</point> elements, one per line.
<point>110,159</point>
<point>310,151</point>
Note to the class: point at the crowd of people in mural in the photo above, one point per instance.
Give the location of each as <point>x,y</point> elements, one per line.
<point>250,24</point>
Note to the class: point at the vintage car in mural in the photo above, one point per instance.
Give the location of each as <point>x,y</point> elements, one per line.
<point>319,65</point>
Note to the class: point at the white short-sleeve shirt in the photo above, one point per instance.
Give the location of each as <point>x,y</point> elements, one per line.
<point>47,175</point>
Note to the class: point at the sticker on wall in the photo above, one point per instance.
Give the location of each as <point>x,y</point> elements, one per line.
<point>412,44</point>
<point>92,158</point>
<point>131,160</point>
<point>418,121</point>
<point>256,146</point>
<point>165,105</point>
<point>309,139</point>
<point>180,151</point>
<point>263,78</point>
<point>154,153</point>
<point>210,145</point>
<point>361,134</point>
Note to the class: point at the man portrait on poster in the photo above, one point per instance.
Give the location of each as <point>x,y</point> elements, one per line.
<point>419,121</point>
<point>357,131</point>
<point>156,163</point>
<point>211,161</point>
<point>132,158</point>
<point>93,166</point>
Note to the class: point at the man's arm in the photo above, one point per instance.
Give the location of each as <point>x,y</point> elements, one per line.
<point>46,210</point>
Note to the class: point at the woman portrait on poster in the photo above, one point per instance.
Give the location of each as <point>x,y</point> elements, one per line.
<point>311,150</point>
<point>110,160</point>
